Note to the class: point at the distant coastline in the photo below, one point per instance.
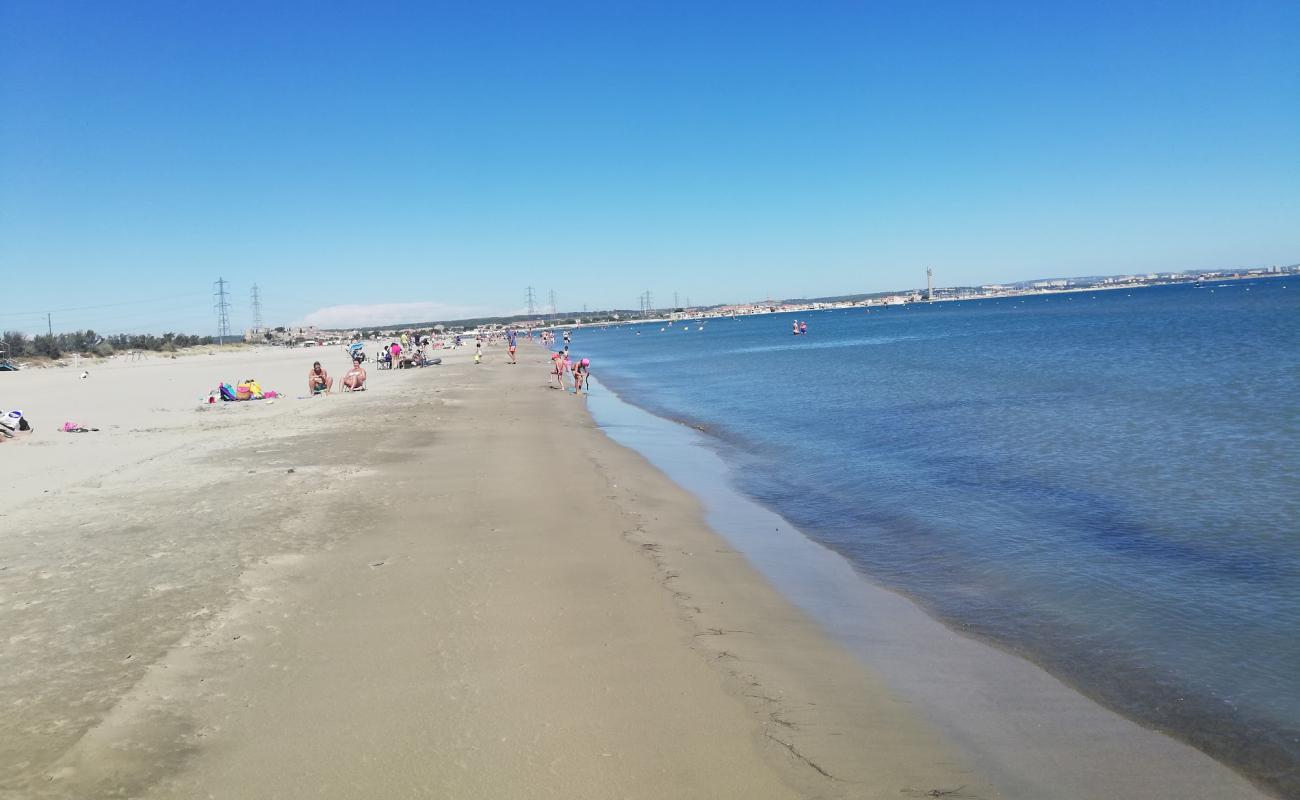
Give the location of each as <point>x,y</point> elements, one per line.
<point>1046,286</point>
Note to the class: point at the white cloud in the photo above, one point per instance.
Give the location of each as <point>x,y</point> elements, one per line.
<point>374,314</point>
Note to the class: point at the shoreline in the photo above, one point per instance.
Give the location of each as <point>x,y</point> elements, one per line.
<point>380,595</point>
<point>461,583</point>
<point>1036,719</point>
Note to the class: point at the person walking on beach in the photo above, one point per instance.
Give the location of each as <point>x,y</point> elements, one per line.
<point>395,350</point>
<point>510,341</point>
<point>318,380</point>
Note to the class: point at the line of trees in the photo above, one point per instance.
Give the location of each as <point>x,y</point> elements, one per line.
<point>90,343</point>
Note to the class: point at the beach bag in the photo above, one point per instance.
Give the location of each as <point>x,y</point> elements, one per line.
<point>227,392</point>
<point>242,392</point>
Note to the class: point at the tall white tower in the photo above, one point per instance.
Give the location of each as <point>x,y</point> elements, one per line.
<point>929,283</point>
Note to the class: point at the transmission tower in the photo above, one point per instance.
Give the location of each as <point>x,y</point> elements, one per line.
<point>551,295</point>
<point>649,302</point>
<point>257,307</point>
<point>675,306</point>
<point>222,307</point>
<point>532,301</point>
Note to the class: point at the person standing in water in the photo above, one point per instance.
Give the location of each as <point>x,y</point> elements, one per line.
<point>803,327</point>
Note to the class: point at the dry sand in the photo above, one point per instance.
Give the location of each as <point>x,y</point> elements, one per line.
<point>449,586</point>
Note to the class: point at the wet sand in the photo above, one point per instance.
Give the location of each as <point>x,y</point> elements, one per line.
<point>451,585</point>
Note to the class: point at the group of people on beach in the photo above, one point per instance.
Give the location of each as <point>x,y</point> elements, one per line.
<point>565,370</point>
<point>320,382</point>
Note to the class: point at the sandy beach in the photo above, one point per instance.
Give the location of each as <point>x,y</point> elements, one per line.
<point>451,585</point>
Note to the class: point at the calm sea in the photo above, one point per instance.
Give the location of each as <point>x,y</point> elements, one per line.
<point>1107,483</point>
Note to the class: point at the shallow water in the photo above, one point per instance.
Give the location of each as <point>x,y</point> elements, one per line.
<point>1104,482</point>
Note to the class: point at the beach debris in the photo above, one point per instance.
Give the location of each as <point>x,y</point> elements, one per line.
<point>291,470</point>
<point>377,564</point>
<point>75,427</point>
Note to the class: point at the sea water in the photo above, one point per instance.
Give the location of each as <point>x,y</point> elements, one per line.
<point>1107,482</point>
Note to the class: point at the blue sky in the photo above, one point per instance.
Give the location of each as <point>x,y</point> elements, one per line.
<point>445,156</point>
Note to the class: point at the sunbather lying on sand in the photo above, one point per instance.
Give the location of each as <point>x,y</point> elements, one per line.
<point>318,380</point>
<point>355,380</point>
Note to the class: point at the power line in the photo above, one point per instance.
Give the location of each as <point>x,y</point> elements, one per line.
<point>257,307</point>
<point>222,307</point>
<point>532,301</point>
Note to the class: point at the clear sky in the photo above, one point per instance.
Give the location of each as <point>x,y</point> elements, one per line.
<point>448,155</point>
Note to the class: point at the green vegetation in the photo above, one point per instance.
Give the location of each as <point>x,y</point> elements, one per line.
<point>91,343</point>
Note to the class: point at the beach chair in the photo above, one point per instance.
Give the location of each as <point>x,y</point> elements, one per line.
<point>384,360</point>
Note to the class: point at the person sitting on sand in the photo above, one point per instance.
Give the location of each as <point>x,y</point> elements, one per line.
<point>318,380</point>
<point>355,380</point>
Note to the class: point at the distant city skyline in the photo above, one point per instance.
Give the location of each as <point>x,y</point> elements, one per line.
<point>373,163</point>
